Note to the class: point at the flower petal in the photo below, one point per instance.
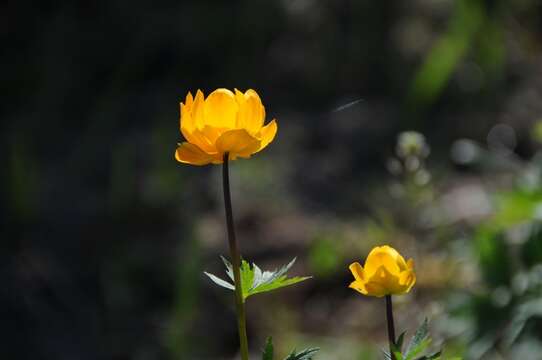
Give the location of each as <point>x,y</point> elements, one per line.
<point>384,283</point>
<point>237,143</point>
<point>375,289</point>
<point>251,115</point>
<point>395,254</point>
<point>221,109</point>
<point>267,134</point>
<point>186,107</point>
<point>357,270</point>
<point>381,256</point>
<point>189,100</point>
<point>212,133</point>
<point>186,121</point>
<point>359,286</point>
<point>200,139</point>
<point>198,110</point>
<point>407,279</point>
<point>191,154</point>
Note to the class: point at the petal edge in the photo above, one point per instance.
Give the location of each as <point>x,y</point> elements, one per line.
<point>191,154</point>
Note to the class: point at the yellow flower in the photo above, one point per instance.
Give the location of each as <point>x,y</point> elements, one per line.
<point>224,122</point>
<point>385,273</point>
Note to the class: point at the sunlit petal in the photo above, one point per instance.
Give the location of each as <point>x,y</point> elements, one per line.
<point>380,257</point>
<point>191,154</point>
<point>237,143</point>
<point>359,286</point>
<point>198,110</point>
<point>221,109</point>
<point>357,271</point>
<point>267,134</point>
<point>251,114</point>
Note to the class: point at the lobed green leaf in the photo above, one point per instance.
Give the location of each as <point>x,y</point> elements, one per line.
<point>247,278</point>
<point>219,281</point>
<point>416,344</point>
<point>418,349</point>
<point>254,280</point>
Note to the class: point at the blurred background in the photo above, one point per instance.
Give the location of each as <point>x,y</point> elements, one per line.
<point>414,123</point>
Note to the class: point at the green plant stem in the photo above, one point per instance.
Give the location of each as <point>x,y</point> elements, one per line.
<point>391,326</point>
<point>236,261</point>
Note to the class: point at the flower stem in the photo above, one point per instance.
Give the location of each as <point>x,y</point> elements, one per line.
<point>236,261</point>
<point>391,326</point>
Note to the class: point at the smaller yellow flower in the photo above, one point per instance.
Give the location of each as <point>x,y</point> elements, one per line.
<point>385,273</point>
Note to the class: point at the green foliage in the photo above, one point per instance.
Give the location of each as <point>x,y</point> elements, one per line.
<point>525,312</point>
<point>532,249</point>
<point>268,350</point>
<point>179,335</point>
<point>515,207</point>
<point>537,131</point>
<point>447,53</point>
<point>505,314</point>
<point>324,256</point>
<point>307,354</point>
<point>493,256</point>
<point>399,343</point>
<point>255,281</point>
<point>417,345</point>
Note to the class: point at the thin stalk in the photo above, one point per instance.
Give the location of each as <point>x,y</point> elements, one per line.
<point>236,261</point>
<point>391,326</point>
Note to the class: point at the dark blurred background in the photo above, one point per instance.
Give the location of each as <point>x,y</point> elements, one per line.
<point>105,236</point>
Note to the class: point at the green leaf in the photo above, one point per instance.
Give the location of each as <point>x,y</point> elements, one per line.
<point>494,257</point>
<point>306,354</point>
<point>261,278</point>
<point>431,357</point>
<point>387,355</point>
<point>400,340</point>
<point>247,278</point>
<point>417,345</point>
<point>419,341</point>
<point>522,314</point>
<point>254,280</point>
<point>219,281</point>
<point>263,281</point>
<point>277,284</point>
<point>396,348</point>
<point>398,355</point>
<point>268,350</point>
<point>229,267</point>
<point>418,349</point>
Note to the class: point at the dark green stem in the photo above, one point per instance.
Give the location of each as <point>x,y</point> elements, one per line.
<point>236,262</point>
<point>391,326</point>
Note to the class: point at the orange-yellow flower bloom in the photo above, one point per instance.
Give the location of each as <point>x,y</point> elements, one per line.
<point>385,273</point>
<point>224,122</point>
